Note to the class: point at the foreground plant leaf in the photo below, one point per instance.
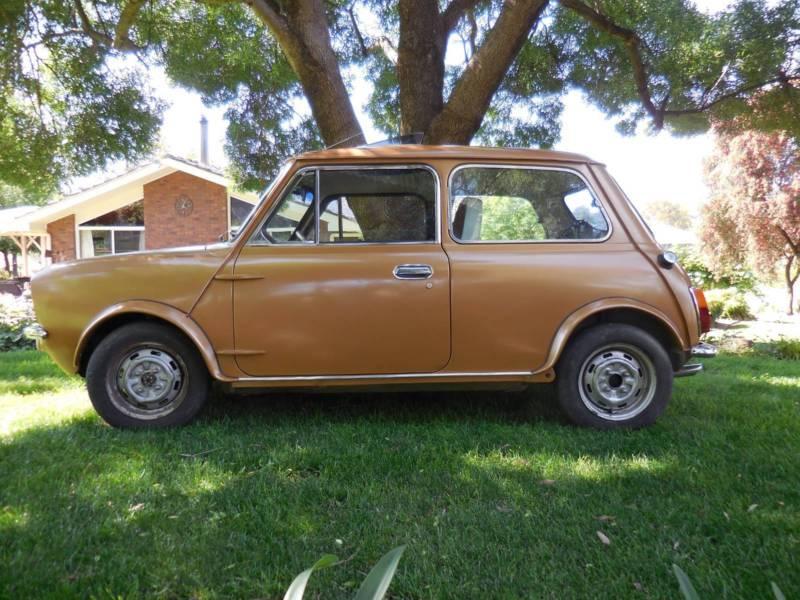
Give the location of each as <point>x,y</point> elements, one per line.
<point>687,589</point>
<point>377,581</point>
<point>298,587</point>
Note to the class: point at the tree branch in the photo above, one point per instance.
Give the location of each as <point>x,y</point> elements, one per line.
<point>101,38</point>
<point>126,20</point>
<point>463,113</point>
<point>455,10</point>
<point>795,246</point>
<point>633,46</point>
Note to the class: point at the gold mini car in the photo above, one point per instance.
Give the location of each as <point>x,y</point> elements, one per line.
<point>392,266</point>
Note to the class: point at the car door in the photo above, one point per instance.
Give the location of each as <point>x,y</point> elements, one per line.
<point>346,276</point>
<point>528,245</point>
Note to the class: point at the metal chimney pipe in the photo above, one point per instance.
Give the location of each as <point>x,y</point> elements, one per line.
<point>203,140</point>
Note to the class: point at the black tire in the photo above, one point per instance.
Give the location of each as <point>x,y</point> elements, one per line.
<point>618,360</point>
<point>166,358</point>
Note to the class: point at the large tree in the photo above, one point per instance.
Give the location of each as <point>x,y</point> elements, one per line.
<point>753,216</point>
<point>453,70</point>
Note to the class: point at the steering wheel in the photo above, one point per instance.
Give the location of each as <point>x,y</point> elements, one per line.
<point>264,234</point>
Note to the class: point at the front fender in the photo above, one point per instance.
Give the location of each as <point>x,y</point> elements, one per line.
<point>158,310</point>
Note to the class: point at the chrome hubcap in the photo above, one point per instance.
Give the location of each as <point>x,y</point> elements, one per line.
<point>617,382</point>
<point>150,381</point>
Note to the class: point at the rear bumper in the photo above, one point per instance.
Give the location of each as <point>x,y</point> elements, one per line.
<point>702,350</point>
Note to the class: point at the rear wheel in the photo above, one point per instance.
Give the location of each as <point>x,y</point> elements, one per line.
<point>614,376</point>
<point>146,375</point>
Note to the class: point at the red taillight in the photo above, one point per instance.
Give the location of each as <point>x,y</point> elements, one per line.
<point>702,310</point>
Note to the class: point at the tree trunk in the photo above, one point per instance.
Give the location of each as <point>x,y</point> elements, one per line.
<point>420,64</point>
<point>7,262</point>
<point>464,110</point>
<point>790,281</point>
<point>303,34</point>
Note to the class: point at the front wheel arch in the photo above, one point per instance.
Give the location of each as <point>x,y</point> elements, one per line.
<point>119,315</point>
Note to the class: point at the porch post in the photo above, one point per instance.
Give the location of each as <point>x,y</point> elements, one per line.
<point>25,271</point>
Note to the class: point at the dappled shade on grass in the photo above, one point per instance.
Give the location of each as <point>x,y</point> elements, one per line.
<point>493,497</point>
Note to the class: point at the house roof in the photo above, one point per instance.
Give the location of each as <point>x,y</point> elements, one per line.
<point>10,216</point>
<point>111,194</point>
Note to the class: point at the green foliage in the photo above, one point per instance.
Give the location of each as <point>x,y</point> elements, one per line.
<point>786,348</point>
<point>689,593</point>
<point>668,212</point>
<point>377,581</point>
<point>226,507</point>
<point>16,313</point>
<point>508,218</point>
<point>728,303</point>
<point>739,277</point>
<point>374,586</point>
<point>687,589</point>
<point>298,587</point>
<point>75,96</point>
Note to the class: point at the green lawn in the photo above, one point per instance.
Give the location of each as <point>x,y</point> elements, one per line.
<point>494,497</point>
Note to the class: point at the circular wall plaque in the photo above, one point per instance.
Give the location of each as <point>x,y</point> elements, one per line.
<point>184,205</point>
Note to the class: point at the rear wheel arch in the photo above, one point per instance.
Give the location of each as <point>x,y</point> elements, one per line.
<point>643,317</point>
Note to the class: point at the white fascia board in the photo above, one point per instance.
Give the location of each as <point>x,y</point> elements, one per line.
<point>72,204</point>
<point>179,165</point>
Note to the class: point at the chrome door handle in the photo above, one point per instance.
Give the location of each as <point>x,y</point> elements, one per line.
<point>412,272</point>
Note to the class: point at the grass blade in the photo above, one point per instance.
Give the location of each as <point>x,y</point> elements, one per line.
<point>685,583</point>
<point>377,581</point>
<point>298,587</point>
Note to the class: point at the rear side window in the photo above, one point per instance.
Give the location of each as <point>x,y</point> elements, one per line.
<point>516,204</point>
<point>377,205</point>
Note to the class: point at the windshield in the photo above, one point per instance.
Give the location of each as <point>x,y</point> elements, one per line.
<point>265,194</point>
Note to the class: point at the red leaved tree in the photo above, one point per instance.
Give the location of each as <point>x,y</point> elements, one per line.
<point>753,216</point>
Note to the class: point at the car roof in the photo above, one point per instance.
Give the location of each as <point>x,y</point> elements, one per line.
<point>477,153</point>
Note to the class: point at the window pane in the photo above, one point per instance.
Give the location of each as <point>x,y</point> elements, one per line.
<point>128,241</point>
<point>132,214</point>
<point>377,205</point>
<point>514,204</point>
<point>95,243</point>
<point>293,220</point>
<point>240,210</point>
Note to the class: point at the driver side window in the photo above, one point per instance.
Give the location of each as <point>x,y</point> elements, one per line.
<point>292,221</point>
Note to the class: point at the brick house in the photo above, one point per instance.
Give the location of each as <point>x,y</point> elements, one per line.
<point>166,202</point>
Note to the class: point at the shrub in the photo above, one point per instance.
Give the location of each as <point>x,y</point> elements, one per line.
<point>728,303</point>
<point>739,277</point>
<point>787,349</point>
<point>16,313</point>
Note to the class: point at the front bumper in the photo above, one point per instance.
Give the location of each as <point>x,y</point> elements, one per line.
<point>702,350</point>
<point>35,332</point>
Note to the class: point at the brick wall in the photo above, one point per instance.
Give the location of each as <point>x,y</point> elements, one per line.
<point>62,238</point>
<point>165,228</point>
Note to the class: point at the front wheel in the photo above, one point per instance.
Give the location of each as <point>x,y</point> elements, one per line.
<point>145,375</point>
<point>614,376</point>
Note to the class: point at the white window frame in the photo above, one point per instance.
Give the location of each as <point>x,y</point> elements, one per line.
<point>112,229</point>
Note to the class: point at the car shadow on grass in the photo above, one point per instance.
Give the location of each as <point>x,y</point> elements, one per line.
<point>537,403</point>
